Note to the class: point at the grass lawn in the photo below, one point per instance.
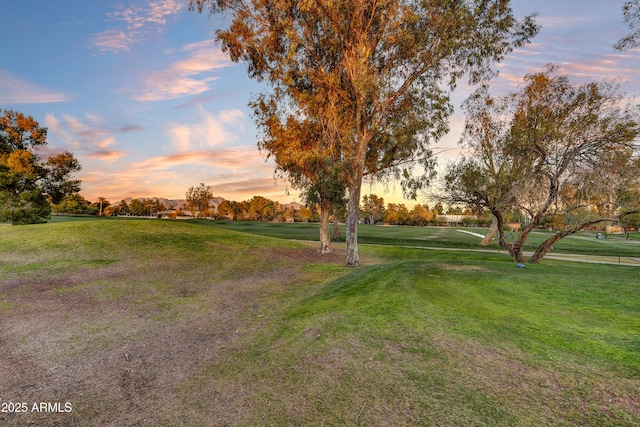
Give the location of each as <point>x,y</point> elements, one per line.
<point>145,322</point>
<point>584,243</point>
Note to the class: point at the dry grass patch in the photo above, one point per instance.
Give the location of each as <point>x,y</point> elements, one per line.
<point>114,335</point>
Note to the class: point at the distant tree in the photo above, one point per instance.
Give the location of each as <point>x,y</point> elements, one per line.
<point>242,210</point>
<point>261,208</point>
<point>304,214</point>
<point>198,199</point>
<point>150,207</point>
<point>74,204</point>
<point>102,204</point>
<point>631,12</point>
<point>136,207</point>
<point>455,210</point>
<point>438,209</point>
<point>224,210</point>
<point>28,185</point>
<point>397,214</point>
<point>139,207</point>
<point>373,208</point>
<point>420,215</point>
<point>630,222</point>
<point>123,208</point>
<point>111,210</point>
<point>236,210</point>
<point>160,207</point>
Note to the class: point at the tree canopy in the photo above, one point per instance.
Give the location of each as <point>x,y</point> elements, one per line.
<point>375,74</point>
<point>631,12</point>
<point>198,199</point>
<point>299,146</point>
<point>558,152</point>
<point>29,185</point>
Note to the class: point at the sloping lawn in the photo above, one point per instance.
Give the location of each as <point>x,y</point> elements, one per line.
<point>170,323</point>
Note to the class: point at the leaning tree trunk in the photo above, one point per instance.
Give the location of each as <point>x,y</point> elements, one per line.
<point>325,238</point>
<point>515,248</point>
<point>545,247</point>
<point>486,240</point>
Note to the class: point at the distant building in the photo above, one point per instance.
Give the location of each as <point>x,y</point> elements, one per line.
<point>456,219</point>
<point>293,206</point>
<point>515,226</point>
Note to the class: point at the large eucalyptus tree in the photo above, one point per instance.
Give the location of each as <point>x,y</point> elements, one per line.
<point>377,73</point>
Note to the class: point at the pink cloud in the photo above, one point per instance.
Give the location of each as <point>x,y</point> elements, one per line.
<point>17,90</point>
<point>186,77</point>
<point>235,158</point>
<point>211,131</point>
<point>92,136</point>
<point>137,20</point>
<point>114,41</point>
<point>171,176</point>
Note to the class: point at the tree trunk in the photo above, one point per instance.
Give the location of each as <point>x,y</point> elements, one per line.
<point>325,239</point>
<point>515,251</point>
<point>353,206</point>
<point>336,224</point>
<point>545,247</point>
<point>486,240</point>
<point>515,248</point>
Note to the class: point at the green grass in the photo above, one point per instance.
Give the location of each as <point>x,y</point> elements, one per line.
<point>242,329</point>
<point>584,243</point>
<point>450,340</point>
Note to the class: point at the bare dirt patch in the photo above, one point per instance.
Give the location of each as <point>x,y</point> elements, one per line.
<point>117,343</point>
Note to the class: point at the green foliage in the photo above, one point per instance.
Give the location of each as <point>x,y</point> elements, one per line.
<point>20,133</point>
<point>28,206</point>
<point>373,208</point>
<point>75,204</point>
<point>27,184</point>
<point>198,199</point>
<point>261,208</point>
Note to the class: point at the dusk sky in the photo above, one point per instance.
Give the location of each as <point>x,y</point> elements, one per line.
<point>141,94</point>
